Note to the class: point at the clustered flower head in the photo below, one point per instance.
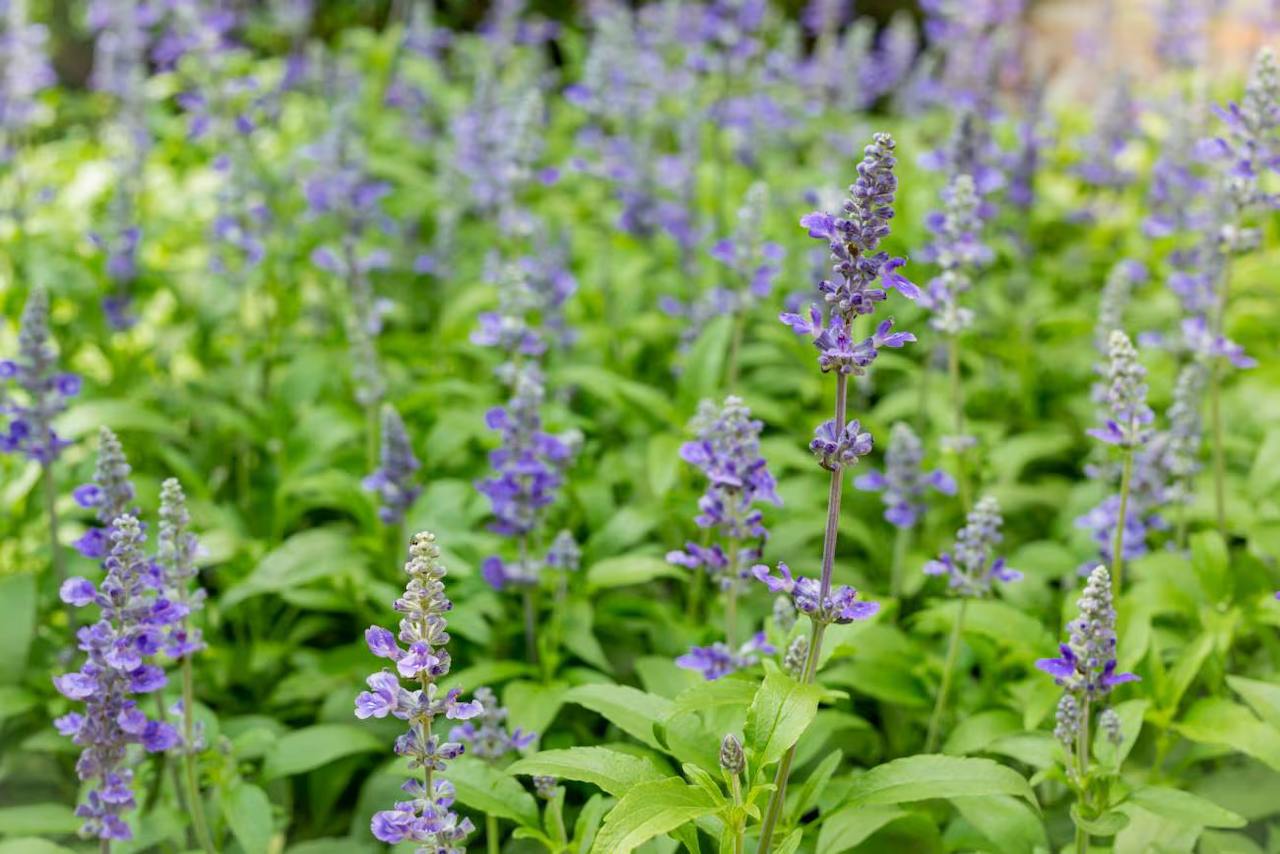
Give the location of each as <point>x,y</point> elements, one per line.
<point>564,553</point>
<point>974,568</point>
<point>719,659</point>
<point>176,551</point>
<point>1114,127</point>
<point>25,71</point>
<point>133,626</point>
<point>903,484</point>
<point>489,737</point>
<point>1086,668</point>
<point>958,250</point>
<point>45,390</point>
<point>1125,423</point>
<point>840,605</point>
<point>1249,150</point>
<point>110,493</point>
<point>426,817</point>
<point>862,271</point>
<point>727,452</point>
<point>1182,451</point>
<point>393,479</point>
<point>1116,294</point>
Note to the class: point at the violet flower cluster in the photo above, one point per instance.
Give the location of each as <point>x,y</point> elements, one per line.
<point>1117,293</point>
<point>1086,668</point>
<point>393,480</point>
<point>134,618</point>
<point>176,551</point>
<point>903,483</point>
<point>719,659</point>
<point>425,817</point>
<point>841,605</point>
<point>1127,416</point>
<point>488,736</point>
<point>1248,150</point>
<point>109,494</point>
<point>957,250</point>
<point>863,272</point>
<point>25,72</point>
<point>44,390</point>
<point>727,452</point>
<point>973,569</point>
<point>1115,127</point>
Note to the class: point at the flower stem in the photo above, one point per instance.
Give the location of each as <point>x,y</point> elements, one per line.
<point>740,825</point>
<point>530,626</point>
<point>491,841</point>
<point>1117,545</point>
<point>1215,408</point>
<point>55,550</point>
<point>900,538</point>
<point>731,595</point>
<point>957,404</point>
<point>773,812</point>
<point>194,801</point>
<point>1082,768</point>
<point>948,671</point>
<point>735,349</point>
<point>372,429</point>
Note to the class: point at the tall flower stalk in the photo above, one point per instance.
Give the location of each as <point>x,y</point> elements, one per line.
<point>1125,426</point>
<point>902,486</point>
<point>426,817</point>
<point>862,276</point>
<point>1086,671</point>
<point>492,740</point>
<point>176,555</point>
<point>44,392</point>
<point>972,572</point>
<point>393,480</point>
<point>727,452</point>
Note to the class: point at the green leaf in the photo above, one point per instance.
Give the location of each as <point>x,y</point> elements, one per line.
<point>248,812</point>
<point>716,694</point>
<point>848,827</point>
<point>122,416</point>
<point>780,713</point>
<point>17,623</point>
<point>1108,824</point>
<point>1183,807</point>
<point>1211,564</point>
<point>1008,626</point>
<point>337,845</point>
<point>975,733</point>
<point>919,778</point>
<point>611,770</point>
<point>303,558</point>
<point>626,570</point>
<point>629,709</point>
<point>15,701</point>
<point>533,705</point>
<point>309,748</point>
<point>649,810</point>
<point>1010,825</point>
<point>1262,697</point>
<point>485,788</point>
<point>579,637</point>
<point>588,823</point>
<point>38,820</point>
<point>704,363</point>
<point>1217,721</point>
<point>662,462</point>
<point>32,845</point>
<point>807,797</point>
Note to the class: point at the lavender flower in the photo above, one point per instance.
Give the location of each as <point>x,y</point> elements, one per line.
<point>393,479</point>
<point>426,816</point>
<point>490,738</point>
<point>793,661</point>
<point>1181,26</point>
<point>1177,182</point>
<point>958,250</point>
<point>841,605</point>
<point>903,483</point>
<point>35,372</point>
<point>719,659</point>
<point>564,553</point>
<point>1087,665</point>
<point>1182,452</point>
<point>1125,423</point>
<point>1117,292</point>
<point>727,452</point>
<point>1114,128</point>
<point>25,72</point>
<point>974,569</point>
<point>176,551</point>
<point>110,493</point>
<point>129,631</point>
<point>1249,149</point>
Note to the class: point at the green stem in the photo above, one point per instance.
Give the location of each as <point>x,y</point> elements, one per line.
<point>773,812</point>
<point>900,541</point>
<point>735,348</point>
<point>55,550</point>
<point>957,404</point>
<point>194,802</point>
<point>1215,409</point>
<point>1117,545</point>
<point>372,430</point>
<point>948,670</point>
<point>731,596</point>
<point>1082,769</point>
<point>740,825</point>
<point>104,846</point>
<point>491,841</point>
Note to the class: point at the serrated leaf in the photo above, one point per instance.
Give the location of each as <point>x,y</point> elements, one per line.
<point>1010,825</point>
<point>485,788</point>
<point>1262,697</point>
<point>780,713</point>
<point>629,709</point>
<point>918,778</point>
<point>1217,721</point>
<point>39,820</point>
<point>613,771</point>
<point>248,812</point>
<point>1183,807</point>
<point>649,810</point>
<point>304,557</point>
<point>848,827</point>
<point>309,748</point>
<point>715,694</point>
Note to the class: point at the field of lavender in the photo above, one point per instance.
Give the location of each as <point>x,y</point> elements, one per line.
<point>678,429</point>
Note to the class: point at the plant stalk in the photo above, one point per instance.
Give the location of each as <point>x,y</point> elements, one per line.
<point>492,844</point>
<point>1215,407</point>
<point>194,801</point>
<point>948,671</point>
<point>773,811</point>
<point>900,542</point>
<point>1117,545</point>
<point>957,404</point>
<point>55,550</point>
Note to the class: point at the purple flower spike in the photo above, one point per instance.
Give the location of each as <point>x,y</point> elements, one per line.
<point>44,390</point>
<point>903,483</point>
<point>718,660</point>
<point>974,568</point>
<point>426,819</point>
